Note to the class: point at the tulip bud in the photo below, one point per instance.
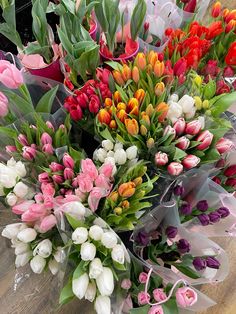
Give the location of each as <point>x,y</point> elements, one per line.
<point>199,263</point>
<point>231,182</point>
<point>109,239</point>
<point>224,145</point>
<point>140,61</point>
<point>23,259</point>
<point>11,199</point>
<point>127,189</point>
<point>138,181</point>
<point>46,139</point>
<point>139,94</point>
<point>122,115</point>
<point>58,179</point>
<point>150,143</point>
<point>88,251</point>
<point>91,292</point>
<point>190,161</point>
<point>37,264</point>
<point>126,284</point>
<point>198,80</point>
<point>126,72</point>
<point>68,161</point>
<point>183,246</point>
<point>132,152</point>
<point>11,231</point>
<point>103,305</point>
<point>223,212</point>
<point>169,131</point>
<point>118,254</point>
<point>49,125</point>
<point>135,74</point>
<point>53,266</point>
<point>43,249</point>
<point>159,68</point>
<point>11,149</point>
<point>198,102</point>
<point>108,102</point>
<point>104,116</point>
<point>21,248</point>
<point>118,78</point>
<point>216,9</point>
<point>183,143</point>
<point>162,108</point>
<point>179,126</point>
<point>120,156</point>
<point>161,159</point>
<point>150,110</point>
<point>230,26</point>
<point>179,190</point>
<point>132,103</point>
<point>29,153</point>
<point>117,97</point>
<point>204,219</point>
<point>113,124</point>
<point>212,262</point>
<point>27,235</point>
<point>121,105</point>
<point>48,149</point>
<point>105,282</point>
<point>205,138</point>
<point>132,126</point>
<point>80,235</point>
<point>95,233</point>
<point>21,190</point>
<point>143,130</point>
<point>125,204</point>
<point>159,88</point>
<point>23,140</point>
<point>80,286</point>
<point>180,67</point>
<point>205,104</point>
<point>193,127</point>
<point>152,58</point>
<point>230,171</point>
<point>190,6</point>
<point>95,268</point>
<point>68,174</point>
<point>175,168</point>
<point>114,196</point>
<point>171,232</point>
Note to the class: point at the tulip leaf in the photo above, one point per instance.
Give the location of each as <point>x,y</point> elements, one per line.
<point>66,294</point>
<point>170,307</point>
<point>123,95</point>
<point>140,310</point>
<point>21,104</point>
<point>186,270</point>
<point>137,18</point>
<point>106,134</point>
<point>79,271</point>
<point>74,222</point>
<point>8,132</point>
<point>179,154</point>
<point>46,102</point>
<point>119,266</point>
<point>223,103</point>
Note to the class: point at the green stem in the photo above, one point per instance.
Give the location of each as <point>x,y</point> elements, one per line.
<point>25,93</point>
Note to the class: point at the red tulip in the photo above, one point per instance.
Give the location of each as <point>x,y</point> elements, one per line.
<point>180,67</point>
<point>82,99</point>
<point>228,72</point>
<point>175,168</point>
<point>222,87</point>
<point>94,104</point>
<point>230,58</point>
<point>231,182</point>
<point>190,161</point>
<point>76,114</point>
<point>190,6</point>
<point>215,29</point>
<point>217,180</point>
<point>216,9</point>
<point>230,171</point>
<point>205,138</point>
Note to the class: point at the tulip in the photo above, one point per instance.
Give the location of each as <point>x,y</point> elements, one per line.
<point>23,259</point>
<point>11,231</point>
<point>231,15</point>
<point>159,68</point>
<point>120,106</point>
<point>55,167</point>
<point>48,149</point>
<point>205,138</point>
<point>95,268</point>
<point>126,73</point>
<point>113,124</point>
<point>230,27</point>
<point>118,77</point>
<point>186,209</point>
<point>223,212</point>
<point>161,159</point>
<point>118,254</point>
<point>43,249</point>
<point>183,246</point>
<point>171,232</point>
<point>122,115</point>
<point>68,174</point>
<point>68,161</point>
<point>190,161</point>
<point>95,233</point>
<point>198,102</point>
<point>117,97</point>
<point>143,298</point>
<point>104,116</point>
<point>29,153</point>
<point>27,235</point>
<point>202,205</point>
<point>23,140</point>
<point>183,143</point>
<point>94,104</point>
<point>103,305</point>
<point>159,295</point>
<point>88,251</point>
<point>162,108</point>
<point>132,103</point>
<point>212,262</point>
<point>187,103</point>
<point>76,114</point>
<point>140,61</point>
<point>179,126</point>
<point>169,132</point>
<point>230,171</point>
<point>143,277</point>
<point>190,6</point>
<point>217,180</point>
<point>90,293</point>
<point>3,105</point>
<point>127,189</point>
<point>175,168</point>
<point>214,217</point>
<point>114,196</point>
<point>159,88</point>
<point>21,248</point>
<point>132,152</point>
<point>37,264</point>
<point>11,199</point>
<point>120,156</point>
<point>58,179</point>
<point>135,74</point>
<point>53,266</point>
<point>199,263</point>
<point>46,139</point>
<point>108,102</point>
<point>132,126</point>
<point>224,145</point>
<point>10,76</point>
<point>143,130</point>
<point>150,143</point>
<point>139,95</point>
<point>11,149</point>
<point>216,9</point>
<point>109,239</point>
<point>180,67</point>
<point>126,284</point>
<point>186,296</point>
<point>105,282</point>
<point>193,127</point>
<point>75,209</point>
<point>80,286</point>
<point>80,235</point>
<point>204,219</point>
<point>49,125</point>
<point>118,210</point>
<point>179,190</point>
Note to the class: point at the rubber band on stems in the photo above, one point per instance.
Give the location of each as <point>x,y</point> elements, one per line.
<point>170,293</point>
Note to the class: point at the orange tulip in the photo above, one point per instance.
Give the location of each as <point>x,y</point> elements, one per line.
<point>135,74</point>
<point>163,109</point>
<point>112,110</point>
<point>145,118</point>
<point>118,77</point>
<point>137,181</point>
<point>121,105</point>
<point>152,58</point>
<point>139,94</point>
<point>132,126</point>
<point>126,73</point>
<point>113,124</point>
<point>230,26</point>
<point>125,204</point>
<point>159,88</point>
<point>225,13</point>
<point>117,97</point>
<point>135,111</point>
<point>159,68</point>
<point>126,189</point>
<point>133,102</point>
<point>230,16</point>
<point>114,196</point>
<point>108,102</point>
<point>104,116</point>
<point>140,61</point>
<point>216,9</point>
<point>149,69</point>
<point>149,110</point>
<point>122,115</point>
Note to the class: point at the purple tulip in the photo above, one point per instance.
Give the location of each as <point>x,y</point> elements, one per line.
<point>204,219</point>
<point>183,246</point>
<point>186,209</point>
<point>143,238</point>
<point>223,212</point>
<point>202,206</point>
<point>179,190</point>
<point>212,262</point>
<point>199,263</point>
<point>214,217</point>
<point>171,232</point>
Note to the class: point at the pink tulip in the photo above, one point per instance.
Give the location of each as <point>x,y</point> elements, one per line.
<point>48,149</point>
<point>179,126</point>
<point>58,179</point>
<point>128,305</point>
<point>10,76</point>
<point>106,169</point>
<point>22,207</point>
<point>175,168</point>
<point>143,298</point>
<point>190,161</point>
<point>34,213</point>
<point>156,309</point>
<point>193,127</point>
<point>46,139</point>
<point>161,159</point>
<point>85,183</point>
<point>48,189</point>
<point>186,296</point>
<point>29,153</point>
<point>183,143</point>
<point>11,149</point>
<point>55,167</point>
<point>68,174</point>
<point>205,138</point>
<point>103,182</point>
<point>44,177</point>
<point>180,67</point>
<point>126,284</point>
<point>169,131</point>
<point>224,145</point>
<point>94,197</point>
<point>143,277</point>
<point>103,75</point>
<point>50,126</point>
<point>75,183</point>
<point>47,223</point>
<point>23,140</point>
<point>68,161</point>
<point>159,295</point>
<point>3,105</point>
<point>89,168</point>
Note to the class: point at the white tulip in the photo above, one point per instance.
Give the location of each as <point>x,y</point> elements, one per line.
<point>109,160</point>
<point>75,209</point>
<point>132,152</point>
<point>11,231</point>
<point>191,113</point>
<point>202,120</point>
<point>20,169</point>
<point>109,240</point>
<point>120,156</point>
<point>60,255</point>
<point>95,268</point>
<point>118,145</point>
<point>11,163</point>
<point>174,111</point>
<point>88,251</point>
<point>21,189</point>
<point>27,235</point>
<point>110,153</point>
<point>174,97</point>
<point>95,233</point>
<point>80,286</point>
<point>101,154</point>
<point>91,292</point>
<point>107,144</point>
<point>187,103</point>
<point>21,248</point>
<point>53,265</point>
<point>80,235</point>
<point>105,282</point>
<point>103,305</point>
<point>11,199</point>
<point>2,193</point>
<point>114,170</point>
<point>118,254</point>
<point>37,264</point>
<point>22,259</point>
<point>7,176</point>
<point>43,249</point>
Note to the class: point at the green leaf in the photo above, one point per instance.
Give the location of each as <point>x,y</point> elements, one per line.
<point>186,270</point>
<point>79,271</point>
<point>106,134</point>
<point>119,266</point>
<point>137,18</point>
<point>223,103</point>
<point>140,310</point>
<point>179,154</point>
<point>66,294</point>
<point>170,307</point>
<point>123,95</point>
<point>22,105</point>
<point>7,132</point>
<point>45,103</point>
<point>74,222</point>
